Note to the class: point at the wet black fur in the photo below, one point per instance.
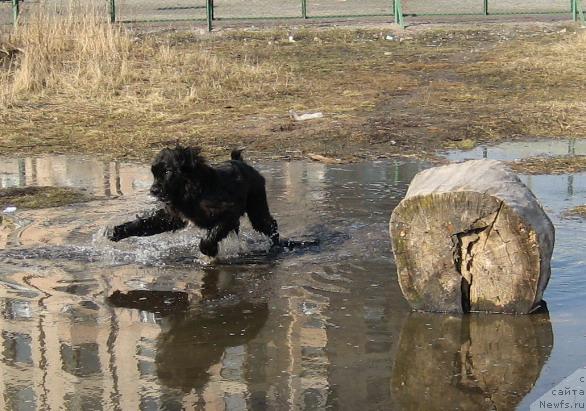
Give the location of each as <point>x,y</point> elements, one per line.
<point>211,197</point>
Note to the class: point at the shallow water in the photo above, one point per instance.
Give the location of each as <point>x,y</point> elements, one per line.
<point>149,323</point>
<point>516,150</point>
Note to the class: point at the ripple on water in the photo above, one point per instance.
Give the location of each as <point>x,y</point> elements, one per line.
<point>155,324</point>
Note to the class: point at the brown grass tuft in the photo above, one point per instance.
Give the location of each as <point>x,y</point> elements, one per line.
<point>550,165</point>
<point>76,52</point>
<point>79,54</point>
<point>578,212</point>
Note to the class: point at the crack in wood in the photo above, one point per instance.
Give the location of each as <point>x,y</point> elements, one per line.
<point>470,237</point>
<point>498,212</point>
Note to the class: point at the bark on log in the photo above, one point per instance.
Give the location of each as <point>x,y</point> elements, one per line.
<point>471,237</point>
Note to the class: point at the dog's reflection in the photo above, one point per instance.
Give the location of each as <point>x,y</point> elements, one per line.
<point>477,361</point>
<point>195,333</point>
<point>195,341</point>
<point>163,303</point>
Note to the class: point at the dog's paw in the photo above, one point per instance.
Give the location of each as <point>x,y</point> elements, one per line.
<point>114,234</point>
<point>208,248</point>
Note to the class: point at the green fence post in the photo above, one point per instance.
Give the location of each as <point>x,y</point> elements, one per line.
<point>399,14</point>
<point>15,11</point>
<point>485,7</point>
<point>574,11</point>
<point>209,13</point>
<point>212,9</point>
<point>304,9</point>
<point>112,11</point>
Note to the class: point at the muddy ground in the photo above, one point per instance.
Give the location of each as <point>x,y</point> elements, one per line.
<point>382,93</point>
<point>40,197</point>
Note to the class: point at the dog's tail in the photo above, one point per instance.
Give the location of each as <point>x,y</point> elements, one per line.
<point>237,154</point>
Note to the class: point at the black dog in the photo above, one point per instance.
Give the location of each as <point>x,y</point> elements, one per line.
<point>213,198</point>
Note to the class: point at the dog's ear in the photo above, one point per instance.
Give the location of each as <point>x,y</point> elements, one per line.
<point>195,150</point>
<point>191,158</point>
<point>236,154</point>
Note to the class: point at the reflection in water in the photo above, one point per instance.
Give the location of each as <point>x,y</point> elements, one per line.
<point>195,341</point>
<point>195,338</point>
<point>558,191</point>
<point>160,302</point>
<point>148,324</point>
<point>98,177</point>
<point>471,362</point>
<point>516,150</point>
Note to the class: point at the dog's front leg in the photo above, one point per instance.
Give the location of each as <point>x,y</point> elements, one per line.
<point>150,224</point>
<point>209,245</point>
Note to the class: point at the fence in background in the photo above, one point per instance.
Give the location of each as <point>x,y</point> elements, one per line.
<point>211,11</point>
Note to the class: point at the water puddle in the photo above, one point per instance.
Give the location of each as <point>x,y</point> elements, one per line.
<point>517,150</point>
<point>149,323</point>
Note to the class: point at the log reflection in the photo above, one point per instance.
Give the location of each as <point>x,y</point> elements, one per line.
<point>477,361</point>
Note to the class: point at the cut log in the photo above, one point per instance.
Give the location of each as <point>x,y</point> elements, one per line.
<point>471,237</point>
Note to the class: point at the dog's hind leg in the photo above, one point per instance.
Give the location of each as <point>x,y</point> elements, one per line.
<point>150,224</point>
<point>209,245</point>
<point>260,217</point>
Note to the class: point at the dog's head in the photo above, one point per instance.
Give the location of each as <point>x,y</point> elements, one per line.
<point>179,173</point>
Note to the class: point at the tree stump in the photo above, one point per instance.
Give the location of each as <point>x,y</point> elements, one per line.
<point>471,237</point>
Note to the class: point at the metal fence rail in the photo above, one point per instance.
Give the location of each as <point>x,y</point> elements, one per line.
<point>210,11</point>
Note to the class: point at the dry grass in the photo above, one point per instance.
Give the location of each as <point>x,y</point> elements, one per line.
<point>536,83</point>
<point>578,212</point>
<point>76,53</point>
<point>93,87</point>
<point>81,54</point>
<point>130,94</point>
<point>554,65</point>
<point>550,165</point>
<point>40,197</point>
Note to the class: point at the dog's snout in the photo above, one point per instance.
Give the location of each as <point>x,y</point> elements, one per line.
<point>155,190</point>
